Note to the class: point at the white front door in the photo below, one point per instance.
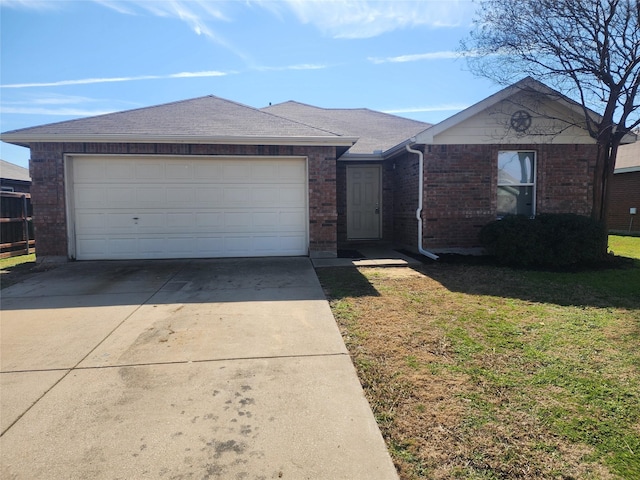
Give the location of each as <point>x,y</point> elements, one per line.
<point>363,202</point>
<point>127,207</point>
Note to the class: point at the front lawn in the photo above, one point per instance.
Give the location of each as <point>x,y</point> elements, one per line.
<point>480,372</point>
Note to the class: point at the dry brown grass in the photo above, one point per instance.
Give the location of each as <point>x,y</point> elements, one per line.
<point>469,370</point>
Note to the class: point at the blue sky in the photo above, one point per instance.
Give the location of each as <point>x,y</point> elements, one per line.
<point>65,59</point>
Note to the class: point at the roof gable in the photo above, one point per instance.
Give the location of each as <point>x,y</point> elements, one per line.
<point>554,118</point>
<point>204,119</point>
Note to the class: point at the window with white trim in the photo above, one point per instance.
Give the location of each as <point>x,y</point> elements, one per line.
<point>516,183</point>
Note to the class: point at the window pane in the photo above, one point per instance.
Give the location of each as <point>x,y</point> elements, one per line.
<point>515,167</point>
<point>515,201</point>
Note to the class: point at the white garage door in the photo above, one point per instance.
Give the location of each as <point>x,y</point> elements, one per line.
<point>188,207</point>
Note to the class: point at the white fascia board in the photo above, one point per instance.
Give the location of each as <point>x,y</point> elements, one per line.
<point>626,170</point>
<point>399,148</point>
<point>361,157</point>
<point>25,139</point>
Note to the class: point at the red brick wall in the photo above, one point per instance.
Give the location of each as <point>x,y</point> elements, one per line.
<point>625,193</point>
<point>461,189</point>
<point>48,189</point>
<point>341,203</point>
<point>405,200</point>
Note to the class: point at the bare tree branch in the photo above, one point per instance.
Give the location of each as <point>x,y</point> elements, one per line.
<point>589,49</point>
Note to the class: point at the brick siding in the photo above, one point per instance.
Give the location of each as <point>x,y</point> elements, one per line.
<point>461,190</point>
<point>625,194</point>
<point>48,188</point>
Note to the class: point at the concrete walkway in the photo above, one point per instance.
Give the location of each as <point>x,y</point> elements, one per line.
<point>204,369</point>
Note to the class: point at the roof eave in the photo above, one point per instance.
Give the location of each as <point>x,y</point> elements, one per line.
<point>25,140</point>
<point>361,157</point>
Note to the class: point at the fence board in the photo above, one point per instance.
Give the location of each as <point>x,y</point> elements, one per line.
<point>16,224</point>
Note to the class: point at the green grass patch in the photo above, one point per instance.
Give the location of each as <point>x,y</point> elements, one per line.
<point>476,371</point>
<point>625,246</point>
<point>11,262</point>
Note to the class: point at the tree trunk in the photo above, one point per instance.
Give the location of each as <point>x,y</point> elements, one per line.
<point>601,191</point>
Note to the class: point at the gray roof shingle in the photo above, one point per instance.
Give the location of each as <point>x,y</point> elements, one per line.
<point>11,171</point>
<point>202,117</point>
<point>376,130</point>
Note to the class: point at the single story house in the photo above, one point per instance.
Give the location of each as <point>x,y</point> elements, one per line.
<point>624,202</point>
<point>14,178</point>
<point>209,177</point>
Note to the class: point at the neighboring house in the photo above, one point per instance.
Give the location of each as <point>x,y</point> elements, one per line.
<point>208,177</point>
<point>625,191</point>
<point>14,178</point>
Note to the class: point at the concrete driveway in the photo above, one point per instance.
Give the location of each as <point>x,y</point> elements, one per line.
<point>201,369</point>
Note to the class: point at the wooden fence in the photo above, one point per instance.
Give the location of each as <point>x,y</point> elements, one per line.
<point>16,224</point>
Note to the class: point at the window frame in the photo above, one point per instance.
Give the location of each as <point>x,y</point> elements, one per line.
<point>533,185</point>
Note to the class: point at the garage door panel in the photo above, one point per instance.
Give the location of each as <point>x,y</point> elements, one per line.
<point>150,197</point>
<point>181,220</point>
<point>291,173</point>
<point>236,196</point>
<point>179,171</point>
<point>210,220</point>
<point>238,221</point>
<point>119,223</point>
<point>150,170</point>
<point>122,197</point>
<point>91,223</point>
<point>211,246</point>
<point>91,247</point>
<point>236,171</point>
<point>291,219</point>
<point>186,208</point>
<point>119,170</point>
<point>185,196</point>
<point>91,196</point>
<point>293,195</point>
<point>207,170</point>
<point>89,171</point>
<point>211,195</point>
<point>126,246</point>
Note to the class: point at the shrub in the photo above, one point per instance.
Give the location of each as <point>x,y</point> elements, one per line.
<point>548,240</point>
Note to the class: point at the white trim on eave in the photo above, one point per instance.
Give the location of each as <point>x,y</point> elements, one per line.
<point>24,140</point>
<point>627,170</point>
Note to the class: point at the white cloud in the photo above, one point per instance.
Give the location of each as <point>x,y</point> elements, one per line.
<point>54,99</point>
<point>300,66</point>
<point>88,81</point>
<point>370,18</point>
<point>444,55</point>
<point>335,18</point>
<point>65,112</point>
<point>32,4</point>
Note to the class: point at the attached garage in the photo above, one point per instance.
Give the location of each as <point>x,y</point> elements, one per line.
<point>139,207</point>
<point>198,178</point>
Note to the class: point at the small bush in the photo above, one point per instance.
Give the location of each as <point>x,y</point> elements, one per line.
<point>548,240</point>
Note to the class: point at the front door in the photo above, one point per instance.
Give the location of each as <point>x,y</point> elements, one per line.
<point>363,202</point>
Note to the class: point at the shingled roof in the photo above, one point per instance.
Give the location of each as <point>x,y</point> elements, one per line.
<point>376,131</point>
<point>11,171</point>
<point>206,119</point>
